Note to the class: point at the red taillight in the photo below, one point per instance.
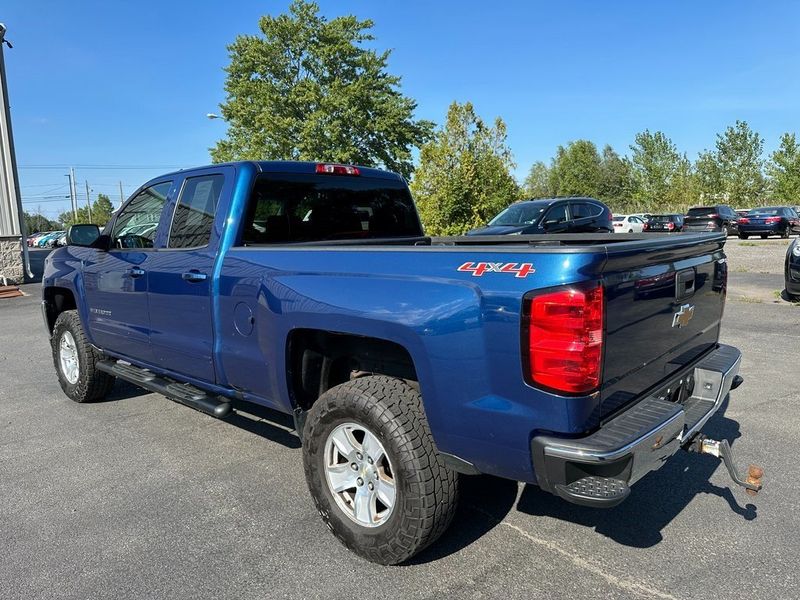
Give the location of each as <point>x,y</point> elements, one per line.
<point>670,225</point>
<point>645,227</point>
<point>333,169</point>
<point>769,220</point>
<point>565,340</point>
<point>743,220</point>
<point>713,216</point>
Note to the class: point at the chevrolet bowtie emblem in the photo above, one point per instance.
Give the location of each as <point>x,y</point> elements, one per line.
<point>683,316</point>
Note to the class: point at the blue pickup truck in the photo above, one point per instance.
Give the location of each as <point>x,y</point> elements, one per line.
<point>578,363</point>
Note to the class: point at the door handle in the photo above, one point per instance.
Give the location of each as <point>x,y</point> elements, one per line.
<point>135,272</point>
<point>194,276</point>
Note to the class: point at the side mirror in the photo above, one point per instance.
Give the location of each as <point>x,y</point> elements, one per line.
<point>82,235</point>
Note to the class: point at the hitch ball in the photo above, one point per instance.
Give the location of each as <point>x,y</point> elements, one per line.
<point>754,475</point>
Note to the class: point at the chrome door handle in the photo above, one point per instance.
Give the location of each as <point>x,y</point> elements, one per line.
<point>135,272</point>
<point>194,276</point>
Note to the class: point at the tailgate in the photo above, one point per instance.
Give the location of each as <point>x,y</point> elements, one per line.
<point>663,311</point>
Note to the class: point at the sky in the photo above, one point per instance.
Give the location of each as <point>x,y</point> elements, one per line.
<point>120,90</point>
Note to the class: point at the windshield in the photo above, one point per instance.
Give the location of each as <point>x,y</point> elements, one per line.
<point>772,210</point>
<point>524,213</point>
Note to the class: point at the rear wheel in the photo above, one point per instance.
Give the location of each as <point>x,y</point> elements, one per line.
<point>743,236</point>
<point>764,236</point>
<point>75,360</point>
<point>785,233</point>
<point>373,471</point>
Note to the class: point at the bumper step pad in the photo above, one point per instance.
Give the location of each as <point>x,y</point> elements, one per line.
<point>594,491</point>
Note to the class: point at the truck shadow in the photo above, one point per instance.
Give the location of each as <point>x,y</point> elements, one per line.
<point>638,522</point>
<point>655,500</point>
<point>264,422</point>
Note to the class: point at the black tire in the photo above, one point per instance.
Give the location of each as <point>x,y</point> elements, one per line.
<point>426,491</point>
<point>743,236</point>
<point>91,384</point>
<point>764,236</point>
<point>785,234</point>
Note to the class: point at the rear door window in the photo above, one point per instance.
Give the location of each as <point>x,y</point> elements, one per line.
<point>194,212</point>
<point>584,210</point>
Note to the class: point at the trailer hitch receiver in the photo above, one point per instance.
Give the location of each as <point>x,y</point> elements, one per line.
<point>722,449</point>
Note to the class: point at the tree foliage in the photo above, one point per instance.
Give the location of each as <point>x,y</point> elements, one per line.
<point>464,173</point>
<point>102,209</point>
<point>784,170</point>
<point>576,170</point>
<point>537,183</point>
<point>616,178</point>
<point>734,170</point>
<point>308,89</point>
<point>662,177</point>
<point>36,222</point>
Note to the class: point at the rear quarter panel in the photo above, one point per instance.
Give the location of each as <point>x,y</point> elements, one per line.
<point>462,332</point>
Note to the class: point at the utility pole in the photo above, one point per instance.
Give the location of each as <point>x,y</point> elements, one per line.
<point>121,194</point>
<point>9,178</point>
<point>88,200</point>
<point>72,203</point>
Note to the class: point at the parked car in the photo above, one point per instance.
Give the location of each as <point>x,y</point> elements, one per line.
<point>769,220</point>
<point>404,360</point>
<point>792,270</point>
<point>34,238</point>
<point>668,222</point>
<point>742,212</point>
<point>44,240</point>
<point>553,215</point>
<point>711,218</point>
<point>627,224</point>
<point>57,240</point>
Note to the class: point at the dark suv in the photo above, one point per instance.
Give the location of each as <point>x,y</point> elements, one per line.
<point>552,215</point>
<point>712,218</point>
<point>669,223</point>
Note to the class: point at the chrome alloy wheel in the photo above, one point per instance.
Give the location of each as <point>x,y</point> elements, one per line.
<point>359,474</point>
<point>68,358</point>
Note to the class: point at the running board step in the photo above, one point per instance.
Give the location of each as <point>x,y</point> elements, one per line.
<point>184,393</point>
<point>594,491</point>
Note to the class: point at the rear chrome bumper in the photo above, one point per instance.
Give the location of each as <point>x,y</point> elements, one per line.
<point>638,440</point>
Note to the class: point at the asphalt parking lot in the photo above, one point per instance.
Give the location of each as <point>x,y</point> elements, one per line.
<point>138,497</point>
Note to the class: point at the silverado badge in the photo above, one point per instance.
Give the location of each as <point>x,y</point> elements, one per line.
<point>683,316</point>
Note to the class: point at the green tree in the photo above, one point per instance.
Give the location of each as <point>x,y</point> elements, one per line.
<point>36,222</point>
<point>464,173</point>
<point>102,209</point>
<point>537,183</point>
<point>576,170</point>
<point>734,170</point>
<point>658,169</point>
<point>616,178</point>
<point>309,89</point>
<point>784,170</point>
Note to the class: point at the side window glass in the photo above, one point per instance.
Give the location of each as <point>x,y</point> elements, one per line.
<point>137,224</point>
<point>557,214</point>
<point>584,210</point>
<point>194,213</point>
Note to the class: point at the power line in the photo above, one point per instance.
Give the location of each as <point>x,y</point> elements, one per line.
<point>102,166</point>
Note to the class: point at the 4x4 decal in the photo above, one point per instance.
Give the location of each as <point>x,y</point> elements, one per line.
<point>478,269</point>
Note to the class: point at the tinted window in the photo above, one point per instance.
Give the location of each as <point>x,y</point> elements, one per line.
<point>524,213</point>
<point>137,223</point>
<point>557,214</point>
<point>701,212</point>
<point>583,210</point>
<point>764,211</point>
<point>623,218</point>
<point>194,213</point>
<point>288,207</point>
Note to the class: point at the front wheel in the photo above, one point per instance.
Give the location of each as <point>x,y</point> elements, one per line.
<point>373,471</point>
<point>75,360</point>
